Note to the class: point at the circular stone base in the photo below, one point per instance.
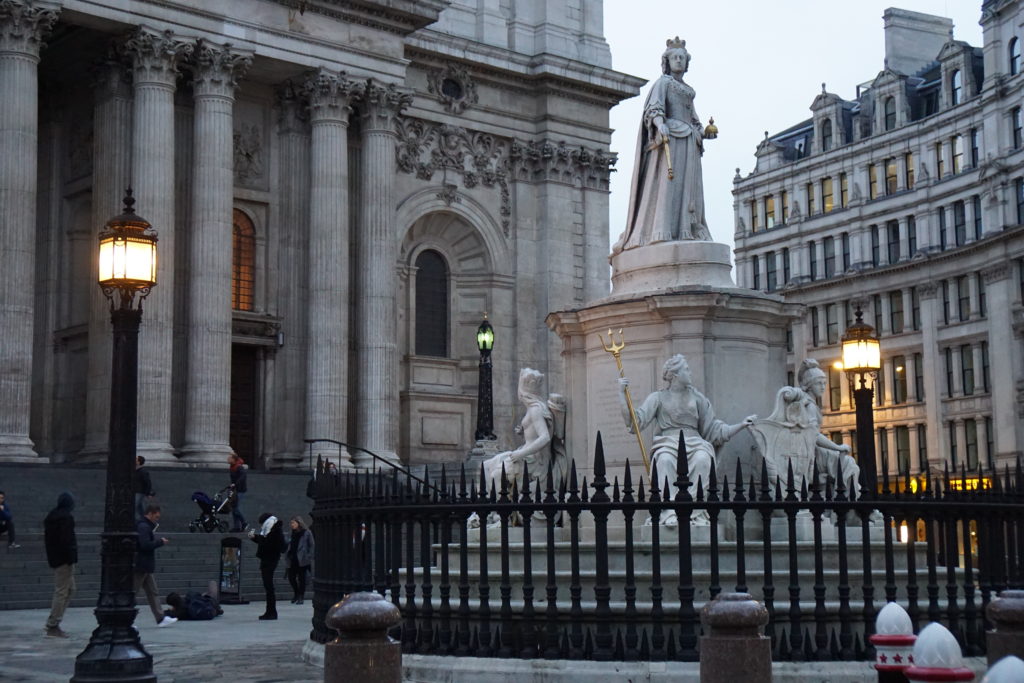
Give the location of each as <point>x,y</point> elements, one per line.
<point>666,265</point>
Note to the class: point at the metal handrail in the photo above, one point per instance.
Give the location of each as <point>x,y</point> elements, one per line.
<point>379,458</point>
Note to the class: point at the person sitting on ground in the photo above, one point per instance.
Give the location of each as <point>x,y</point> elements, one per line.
<point>7,522</point>
<point>194,606</point>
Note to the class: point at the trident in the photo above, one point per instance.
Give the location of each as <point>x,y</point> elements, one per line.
<point>615,348</point>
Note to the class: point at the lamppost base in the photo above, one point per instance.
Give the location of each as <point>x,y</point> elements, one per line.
<point>482,450</point>
<point>114,653</point>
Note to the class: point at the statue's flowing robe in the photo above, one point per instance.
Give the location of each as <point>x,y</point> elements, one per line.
<point>695,419</point>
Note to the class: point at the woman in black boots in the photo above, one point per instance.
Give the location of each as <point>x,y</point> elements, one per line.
<point>299,558</point>
<point>270,540</point>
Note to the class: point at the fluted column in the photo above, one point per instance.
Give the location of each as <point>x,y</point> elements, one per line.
<point>915,448</point>
<point>111,154</point>
<point>377,411</point>
<point>23,23</point>
<point>984,456</point>
<point>215,69</point>
<point>155,58</point>
<point>961,442</point>
<point>327,390</point>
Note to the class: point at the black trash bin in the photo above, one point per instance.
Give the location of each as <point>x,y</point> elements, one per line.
<point>231,571</point>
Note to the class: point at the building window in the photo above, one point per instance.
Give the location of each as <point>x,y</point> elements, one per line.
<point>826,195</point>
<point>785,206</point>
<point>957,143</point>
<point>835,389</point>
<point>1019,185</point>
<point>984,367</point>
<point>243,262</point>
<point>945,302</point>
<point>1014,52</point>
<point>756,263</point>
<point>872,182</point>
<point>976,208</point>
<point>883,447</point>
<point>844,190</point>
<point>754,224</point>
<point>971,442</point>
<point>963,299</point>
<point>959,223</point>
<point>769,212</point>
<point>967,369</point>
<point>876,307</point>
<point>830,256</point>
<point>908,170</point>
<point>844,241</point>
<point>789,347</point>
<point>890,113</point>
<point>826,135</point>
<point>982,303</point>
<point>831,324</point>
<point>813,254</point>
<point>942,228</point>
<point>890,176</point>
<point>903,449</point>
<point>948,353</point>
<point>810,198</point>
<point>922,448</point>
<point>786,277</point>
<point>990,450</point>
<point>956,86</point>
<point>875,247</point>
<point>915,308</point>
<point>896,311</point>
<point>431,305</point>
<point>880,390</point>
<point>770,271</point>
<point>974,148</point>
<point>899,379</point>
<point>952,444</point>
<point>911,236</point>
<point>940,161</point>
<point>892,229</point>
<point>853,446</point>
<point>918,377</point>
<point>1015,126</point>
<point>815,332</point>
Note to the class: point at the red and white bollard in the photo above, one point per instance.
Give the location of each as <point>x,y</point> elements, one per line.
<point>937,657</point>
<point>894,641</point>
<point>1009,669</point>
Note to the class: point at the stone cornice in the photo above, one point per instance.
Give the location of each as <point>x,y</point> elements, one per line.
<point>217,68</point>
<point>395,16</point>
<point>24,24</point>
<point>155,56</point>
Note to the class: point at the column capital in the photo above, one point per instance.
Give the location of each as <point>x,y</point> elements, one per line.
<point>24,24</point>
<point>927,290</point>
<point>111,78</point>
<point>216,68</point>
<point>382,104</point>
<point>155,56</point>
<point>292,107</point>
<point>330,94</point>
<point>995,273</point>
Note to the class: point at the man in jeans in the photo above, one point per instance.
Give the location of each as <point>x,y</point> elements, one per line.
<point>145,563</point>
<point>62,555</point>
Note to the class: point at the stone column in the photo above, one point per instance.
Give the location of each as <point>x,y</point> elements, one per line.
<point>983,454</point>
<point>908,309</point>
<point>327,391</point>
<point>961,442</point>
<point>886,326</point>
<point>215,69</point>
<point>894,468</point>
<point>23,24</point>
<point>972,296</point>
<point>377,411</point>
<point>820,250</point>
<point>915,447</point>
<point>958,378</point>
<point>934,224</point>
<point>883,244</point>
<point>111,154</point>
<point>155,58</point>
<point>979,379</point>
<point>844,391</point>
<point>910,367</point>
<point>858,248</point>
<point>998,289</point>
<point>932,369</point>
<point>905,254</point>
<point>888,380</point>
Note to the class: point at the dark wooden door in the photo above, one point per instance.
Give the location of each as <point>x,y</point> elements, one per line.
<point>244,401</point>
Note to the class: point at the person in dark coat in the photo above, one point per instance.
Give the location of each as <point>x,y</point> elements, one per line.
<point>193,606</point>
<point>299,558</point>
<point>145,563</point>
<point>270,540</point>
<point>7,522</point>
<point>62,556</point>
<point>143,487</point>
<point>240,484</point>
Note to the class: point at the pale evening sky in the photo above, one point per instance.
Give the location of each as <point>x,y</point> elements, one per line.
<point>756,65</point>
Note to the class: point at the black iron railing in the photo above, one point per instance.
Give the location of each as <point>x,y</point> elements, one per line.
<point>584,578</point>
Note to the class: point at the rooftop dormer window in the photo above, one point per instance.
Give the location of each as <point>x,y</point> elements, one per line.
<point>826,135</point>
<point>1014,52</point>
<point>956,85</point>
<point>890,113</point>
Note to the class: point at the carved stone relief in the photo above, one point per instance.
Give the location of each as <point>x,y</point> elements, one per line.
<point>250,146</point>
<point>453,88</point>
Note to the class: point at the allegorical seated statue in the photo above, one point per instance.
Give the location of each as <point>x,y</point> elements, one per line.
<point>792,435</point>
<point>543,431</point>
<point>681,409</point>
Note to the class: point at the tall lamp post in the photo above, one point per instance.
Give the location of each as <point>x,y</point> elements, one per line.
<point>485,400</point>
<point>862,356</point>
<point>127,273</point>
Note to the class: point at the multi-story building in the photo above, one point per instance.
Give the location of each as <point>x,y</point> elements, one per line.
<point>908,202</point>
<point>341,189</point>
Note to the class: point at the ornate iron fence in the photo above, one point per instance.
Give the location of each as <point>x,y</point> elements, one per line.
<point>584,578</point>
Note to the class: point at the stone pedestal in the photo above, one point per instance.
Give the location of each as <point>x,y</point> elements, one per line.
<point>1007,616</point>
<point>671,264</point>
<point>363,651</point>
<point>734,648</point>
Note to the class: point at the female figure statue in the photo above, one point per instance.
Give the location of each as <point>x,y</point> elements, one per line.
<point>666,206</point>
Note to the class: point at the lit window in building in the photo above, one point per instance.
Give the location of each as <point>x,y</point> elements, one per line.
<point>1015,125</point>
<point>831,324</point>
<point>826,195</point>
<point>957,143</point>
<point>1014,53</point>
<point>956,86</point>
<point>892,231</point>
<point>903,449</point>
<point>890,176</point>
<point>974,148</point>
<point>243,262</point>
<point>890,113</point>
<point>896,311</point>
<point>915,308</point>
<point>785,206</point>
<point>771,280</point>
<point>963,296</point>
<point>812,252</point>
<point>769,212</point>
<point>971,443</point>
<point>829,243</point>
<point>872,182</point>
<point>940,161</point>
<point>431,305</point>
<point>754,226</point>
<point>844,241</point>
<point>908,166</point>
<point>876,256</point>
<point>844,190</point>
<point>911,236</point>
<point>826,135</point>
<point>810,198</point>
<point>918,377</point>
<point>959,223</point>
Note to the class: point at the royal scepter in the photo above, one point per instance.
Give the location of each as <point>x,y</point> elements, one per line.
<point>615,348</point>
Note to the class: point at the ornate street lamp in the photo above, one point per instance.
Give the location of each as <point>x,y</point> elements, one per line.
<point>862,356</point>
<point>127,273</point>
<point>485,402</point>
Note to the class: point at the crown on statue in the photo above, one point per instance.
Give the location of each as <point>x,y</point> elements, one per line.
<point>673,43</point>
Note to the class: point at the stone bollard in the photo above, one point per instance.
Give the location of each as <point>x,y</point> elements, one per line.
<point>1006,613</point>
<point>735,648</point>
<point>363,652</point>
<point>937,657</point>
<point>893,640</point>
<point>1006,670</point>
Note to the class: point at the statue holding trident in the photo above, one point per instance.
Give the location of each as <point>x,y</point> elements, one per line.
<point>677,411</point>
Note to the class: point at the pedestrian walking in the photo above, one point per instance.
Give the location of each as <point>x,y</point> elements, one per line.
<point>270,540</point>
<point>239,481</point>
<point>7,522</point>
<point>145,563</point>
<point>143,487</point>
<point>299,558</point>
<point>62,556</point>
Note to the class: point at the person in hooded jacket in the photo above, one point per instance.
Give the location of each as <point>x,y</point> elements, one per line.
<point>270,540</point>
<point>62,555</point>
<point>300,558</point>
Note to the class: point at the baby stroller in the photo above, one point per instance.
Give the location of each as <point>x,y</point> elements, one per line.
<point>220,504</point>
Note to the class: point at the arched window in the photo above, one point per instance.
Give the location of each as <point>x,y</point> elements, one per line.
<point>243,262</point>
<point>1014,56</point>
<point>890,113</point>
<point>431,305</point>
<point>956,84</point>
<point>826,135</point>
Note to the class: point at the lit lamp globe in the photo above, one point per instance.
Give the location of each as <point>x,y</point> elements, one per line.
<point>485,337</point>
<point>127,256</point>
<point>861,349</point>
